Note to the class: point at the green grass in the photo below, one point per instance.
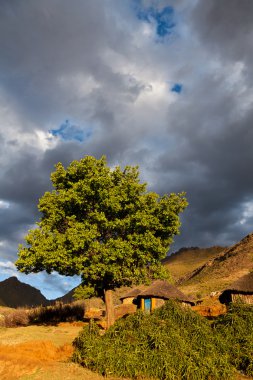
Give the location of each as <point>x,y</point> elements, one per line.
<point>236,328</point>
<point>172,343</point>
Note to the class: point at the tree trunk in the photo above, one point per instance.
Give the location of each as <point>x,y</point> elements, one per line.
<point>110,319</point>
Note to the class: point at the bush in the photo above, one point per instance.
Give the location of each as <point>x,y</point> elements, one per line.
<point>57,313</point>
<point>172,343</point>
<point>236,328</point>
<point>16,318</point>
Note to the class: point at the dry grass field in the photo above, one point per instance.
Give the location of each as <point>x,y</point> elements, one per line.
<point>41,352</point>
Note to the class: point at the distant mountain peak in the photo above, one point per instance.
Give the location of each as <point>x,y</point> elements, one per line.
<point>14,293</point>
<point>12,279</point>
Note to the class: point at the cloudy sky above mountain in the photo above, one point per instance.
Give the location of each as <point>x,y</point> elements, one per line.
<point>166,85</point>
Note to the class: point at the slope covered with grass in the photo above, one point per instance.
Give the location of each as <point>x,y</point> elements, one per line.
<point>186,260</point>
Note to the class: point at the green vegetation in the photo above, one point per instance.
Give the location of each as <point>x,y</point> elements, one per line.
<point>102,224</point>
<point>172,343</point>
<point>236,329</point>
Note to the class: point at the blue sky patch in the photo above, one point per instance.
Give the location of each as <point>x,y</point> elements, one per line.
<point>68,131</point>
<point>164,18</point>
<point>165,21</point>
<point>177,87</point>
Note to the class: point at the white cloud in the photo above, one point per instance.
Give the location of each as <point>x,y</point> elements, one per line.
<point>247,212</point>
<point>8,267</point>
<point>4,204</point>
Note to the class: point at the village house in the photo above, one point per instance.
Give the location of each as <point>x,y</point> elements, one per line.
<point>240,291</point>
<point>151,297</point>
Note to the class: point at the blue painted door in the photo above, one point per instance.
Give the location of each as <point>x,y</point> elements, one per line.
<point>147,304</point>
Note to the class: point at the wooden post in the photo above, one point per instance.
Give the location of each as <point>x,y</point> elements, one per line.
<point>110,318</point>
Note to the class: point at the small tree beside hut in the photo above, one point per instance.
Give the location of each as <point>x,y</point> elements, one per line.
<point>102,224</point>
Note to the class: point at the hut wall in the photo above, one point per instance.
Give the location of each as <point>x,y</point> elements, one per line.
<point>244,298</point>
<point>186,304</point>
<point>159,302</point>
<point>128,300</point>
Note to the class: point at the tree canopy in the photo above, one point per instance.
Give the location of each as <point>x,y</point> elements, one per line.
<point>103,224</point>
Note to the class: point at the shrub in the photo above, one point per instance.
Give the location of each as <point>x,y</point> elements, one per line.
<point>16,318</point>
<point>236,328</point>
<point>57,313</point>
<point>172,343</point>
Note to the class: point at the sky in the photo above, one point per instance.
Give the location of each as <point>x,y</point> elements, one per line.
<point>166,85</point>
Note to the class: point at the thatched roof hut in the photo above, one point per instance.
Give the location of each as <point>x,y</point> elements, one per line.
<point>161,289</point>
<point>153,296</point>
<point>240,290</point>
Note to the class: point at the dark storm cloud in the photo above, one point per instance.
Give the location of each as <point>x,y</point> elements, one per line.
<point>46,43</point>
<point>214,129</point>
<point>56,63</point>
<point>23,182</point>
<point>226,26</point>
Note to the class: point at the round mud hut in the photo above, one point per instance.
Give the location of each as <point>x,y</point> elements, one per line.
<point>158,292</point>
<point>240,291</point>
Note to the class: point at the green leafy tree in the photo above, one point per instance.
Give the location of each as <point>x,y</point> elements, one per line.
<point>102,224</point>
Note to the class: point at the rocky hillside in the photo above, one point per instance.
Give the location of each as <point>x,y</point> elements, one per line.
<point>220,271</point>
<point>14,293</point>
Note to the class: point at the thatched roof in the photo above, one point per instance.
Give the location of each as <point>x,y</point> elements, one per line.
<point>243,285</point>
<point>162,289</point>
<point>133,292</point>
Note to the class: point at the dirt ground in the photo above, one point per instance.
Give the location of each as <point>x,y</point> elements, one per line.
<point>41,352</point>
